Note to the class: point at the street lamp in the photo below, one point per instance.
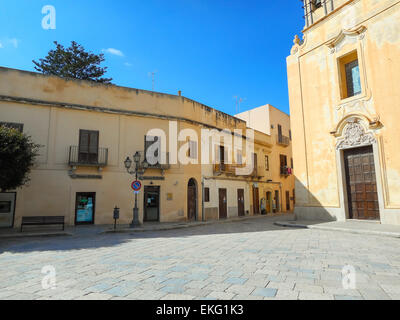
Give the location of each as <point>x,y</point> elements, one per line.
<point>128,165</point>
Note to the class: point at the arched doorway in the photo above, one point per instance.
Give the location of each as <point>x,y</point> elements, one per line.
<point>192,200</point>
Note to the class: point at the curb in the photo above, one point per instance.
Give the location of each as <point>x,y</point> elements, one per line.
<point>34,235</point>
<point>183,225</point>
<point>367,232</point>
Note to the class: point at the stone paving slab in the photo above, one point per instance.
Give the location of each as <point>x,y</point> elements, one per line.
<point>253,259</point>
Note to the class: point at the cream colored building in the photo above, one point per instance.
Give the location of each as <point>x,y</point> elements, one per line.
<point>344,99</point>
<point>87,130</point>
<point>279,192</point>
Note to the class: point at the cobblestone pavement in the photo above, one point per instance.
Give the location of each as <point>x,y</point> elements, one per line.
<point>241,260</point>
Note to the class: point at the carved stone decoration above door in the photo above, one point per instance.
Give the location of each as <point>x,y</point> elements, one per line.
<point>355,135</point>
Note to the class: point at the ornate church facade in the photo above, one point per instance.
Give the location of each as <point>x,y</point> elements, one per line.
<point>345,108</point>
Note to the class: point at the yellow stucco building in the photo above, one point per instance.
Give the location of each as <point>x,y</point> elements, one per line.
<point>87,130</point>
<point>344,99</point>
<point>280,192</point>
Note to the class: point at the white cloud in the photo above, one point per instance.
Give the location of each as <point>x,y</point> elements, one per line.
<point>114,52</point>
<point>6,42</point>
<point>127,64</point>
<point>14,42</point>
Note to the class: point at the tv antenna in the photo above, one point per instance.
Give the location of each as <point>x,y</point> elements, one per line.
<point>153,79</point>
<point>239,100</point>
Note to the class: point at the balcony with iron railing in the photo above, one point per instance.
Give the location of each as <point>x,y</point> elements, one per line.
<point>230,169</point>
<point>286,171</point>
<point>162,163</point>
<point>315,10</point>
<point>96,157</point>
<point>283,140</point>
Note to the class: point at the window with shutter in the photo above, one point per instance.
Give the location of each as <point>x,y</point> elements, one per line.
<point>255,162</point>
<point>148,144</point>
<point>283,160</point>
<point>222,155</point>
<point>88,146</point>
<point>193,149</point>
<point>266,163</point>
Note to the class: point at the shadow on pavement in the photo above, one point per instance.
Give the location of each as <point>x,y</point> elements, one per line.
<point>91,240</point>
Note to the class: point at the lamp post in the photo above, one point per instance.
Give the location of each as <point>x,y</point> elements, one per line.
<point>128,165</point>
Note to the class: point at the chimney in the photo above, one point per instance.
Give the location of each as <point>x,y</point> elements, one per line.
<point>180,93</point>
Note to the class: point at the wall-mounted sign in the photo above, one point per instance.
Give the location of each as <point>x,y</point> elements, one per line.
<point>170,196</point>
<point>152,178</point>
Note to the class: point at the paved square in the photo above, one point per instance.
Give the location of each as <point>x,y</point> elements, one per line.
<point>251,259</point>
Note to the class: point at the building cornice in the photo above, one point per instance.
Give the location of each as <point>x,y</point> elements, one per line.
<point>63,105</point>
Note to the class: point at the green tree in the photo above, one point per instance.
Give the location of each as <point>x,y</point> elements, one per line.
<point>73,63</point>
<point>17,156</point>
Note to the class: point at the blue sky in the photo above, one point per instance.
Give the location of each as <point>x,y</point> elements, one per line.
<point>212,50</point>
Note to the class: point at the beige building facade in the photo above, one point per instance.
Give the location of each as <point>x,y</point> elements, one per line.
<point>279,164</point>
<point>87,130</point>
<point>344,100</point>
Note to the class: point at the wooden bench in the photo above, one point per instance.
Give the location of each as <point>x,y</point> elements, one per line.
<point>42,221</point>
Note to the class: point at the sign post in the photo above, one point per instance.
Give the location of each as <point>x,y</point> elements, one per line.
<point>136,186</point>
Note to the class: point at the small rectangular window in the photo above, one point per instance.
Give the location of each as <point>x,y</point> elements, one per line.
<point>12,125</point>
<point>206,194</point>
<point>266,163</point>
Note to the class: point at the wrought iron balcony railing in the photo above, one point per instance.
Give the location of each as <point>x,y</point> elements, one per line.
<point>145,163</point>
<point>230,169</point>
<point>88,157</point>
<point>283,140</point>
<point>314,10</point>
<point>286,171</point>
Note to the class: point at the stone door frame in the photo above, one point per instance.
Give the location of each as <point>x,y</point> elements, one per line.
<point>353,135</point>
